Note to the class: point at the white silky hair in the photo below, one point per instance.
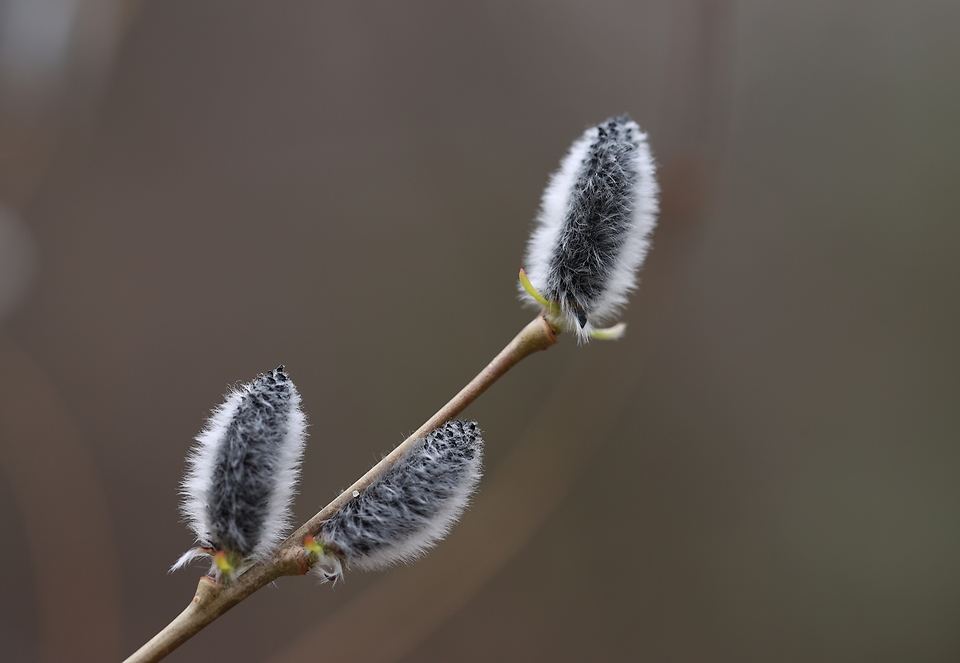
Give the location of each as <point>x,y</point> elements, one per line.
<point>405,512</point>
<point>555,215</point>
<point>280,476</point>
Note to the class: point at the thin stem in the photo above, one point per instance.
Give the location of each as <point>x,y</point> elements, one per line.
<point>538,335</point>
<point>213,599</point>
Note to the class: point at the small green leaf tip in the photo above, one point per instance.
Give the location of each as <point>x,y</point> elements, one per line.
<point>551,307</point>
<point>312,545</point>
<point>227,565</point>
<point>609,333</point>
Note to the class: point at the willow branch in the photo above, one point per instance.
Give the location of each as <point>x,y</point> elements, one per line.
<point>213,599</point>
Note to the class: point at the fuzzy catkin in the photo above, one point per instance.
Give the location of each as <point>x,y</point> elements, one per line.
<point>242,473</point>
<point>592,230</point>
<point>413,504</point>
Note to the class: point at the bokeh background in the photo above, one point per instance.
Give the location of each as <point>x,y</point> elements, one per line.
<point>764,469</point>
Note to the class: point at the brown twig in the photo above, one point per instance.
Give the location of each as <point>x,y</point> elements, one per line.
<point>213,599</point>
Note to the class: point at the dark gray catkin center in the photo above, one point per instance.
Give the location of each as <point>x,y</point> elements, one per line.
<point>246,464</point>
<point>598,218</point>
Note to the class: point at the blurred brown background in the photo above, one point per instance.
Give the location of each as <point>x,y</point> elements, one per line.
<point>766,467</point>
